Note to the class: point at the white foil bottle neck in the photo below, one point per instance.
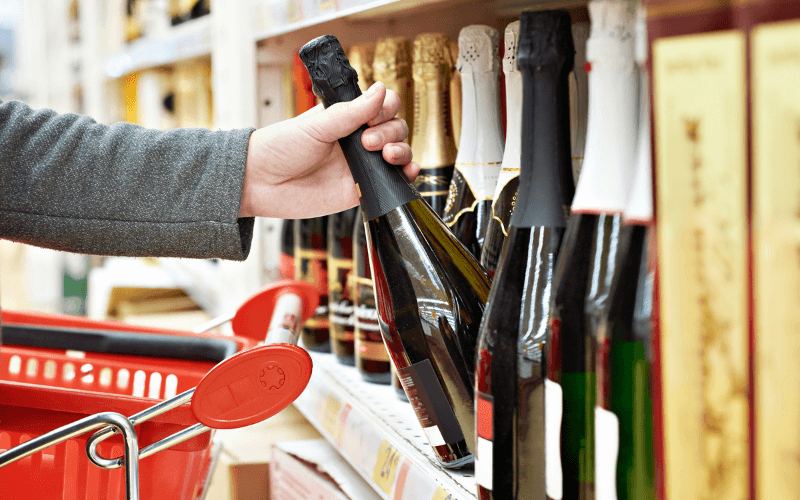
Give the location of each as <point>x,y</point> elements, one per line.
<point>607,170</point>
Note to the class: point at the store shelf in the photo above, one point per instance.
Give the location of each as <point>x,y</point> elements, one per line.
<point>279,17</point>
<point>378,435</point>
<point>185,41</point>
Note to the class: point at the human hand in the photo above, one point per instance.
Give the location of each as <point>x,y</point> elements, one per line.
<point>295,169</point>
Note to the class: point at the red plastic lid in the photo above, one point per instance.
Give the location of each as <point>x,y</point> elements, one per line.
<point>251,386</point>
<point>253,316</point>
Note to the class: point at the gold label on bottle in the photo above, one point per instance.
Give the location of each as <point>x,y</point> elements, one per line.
<point>775,56</point>
<point>701,168</point>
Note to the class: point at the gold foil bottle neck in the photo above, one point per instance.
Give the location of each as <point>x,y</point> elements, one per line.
<point>510,57</point>
<point>478,49</point>
<point>432,57</point>
<point>392,59</point>
<point>360,57</point>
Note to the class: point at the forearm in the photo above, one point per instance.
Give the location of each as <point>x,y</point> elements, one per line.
<point>69,183</point>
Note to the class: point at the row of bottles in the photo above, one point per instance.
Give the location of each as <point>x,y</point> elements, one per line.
<point>542,376</point>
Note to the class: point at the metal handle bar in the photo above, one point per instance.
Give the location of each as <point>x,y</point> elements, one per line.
<point>114,420</point>
<point>142,416</point>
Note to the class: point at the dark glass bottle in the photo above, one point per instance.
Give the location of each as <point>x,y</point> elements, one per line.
<point>624,393</point>
<point>432,143</point>
<point>516,424</point>
<point>469,203</point>
<point>340,292</point>
<point>505,194</point>
<point>430,290</point>
<point>624,387</point>
<point>311,265</point>
<point>372,358</point>
<point>582,292</point>
<point>286,260</point>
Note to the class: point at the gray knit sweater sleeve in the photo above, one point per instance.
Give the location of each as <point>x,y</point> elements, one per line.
<point>69,183</point>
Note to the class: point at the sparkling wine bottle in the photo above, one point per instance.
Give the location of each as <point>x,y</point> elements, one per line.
<point>341,315</point>
<point>372,358</point>
<point>392,66</point>
<point>311,265</point>
<point>624,387</point>
<point>589,258</point>
<point>430,290</point>
<point>432,142</point>
<point>578,98</point>
<point>469,202</point>
<point>505,193</point>
<point>518,405</point>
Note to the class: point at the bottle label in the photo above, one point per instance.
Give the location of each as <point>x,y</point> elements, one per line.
<point>311,266</point>
<point>506,198</point>
<point>485,429</point>
<point>699,104</point>
<point>434,181</point>
<point>471,184</point>
<point>776,242</point>
<point>606,450</point>
<point>430,403</point>
<point>340,286</point>
<point>553,409</point>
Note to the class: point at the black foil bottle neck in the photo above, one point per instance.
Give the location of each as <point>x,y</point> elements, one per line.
<point>545,57</point>
<point>382,187</point>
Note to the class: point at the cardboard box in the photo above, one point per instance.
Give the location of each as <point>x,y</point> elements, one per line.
<point>242,470</point>
<point>313,469</point>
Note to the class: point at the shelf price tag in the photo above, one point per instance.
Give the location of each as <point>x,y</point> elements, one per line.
<point>330,416</point>
<point>386,466</point>
<point>442,494</point>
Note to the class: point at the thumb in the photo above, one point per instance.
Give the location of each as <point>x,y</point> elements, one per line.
<point>344,118</point>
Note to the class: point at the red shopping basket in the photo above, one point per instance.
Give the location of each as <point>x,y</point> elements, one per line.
<point>57,369</point>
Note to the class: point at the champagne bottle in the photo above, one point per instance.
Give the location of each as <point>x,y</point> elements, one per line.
<point>469,202</point>
<point>372,358</point>
<point>518,416</point>
<point>505,193</point>
<point>392,66</point>
<point>341,315</point>
<point>430,291</point>
<point>432,142</point>
<point>311,265</point>
<point>624,387</point>
<point>589,260</point>
<point>361,59</point>
<point>286,263</point>
<point>455,96</point>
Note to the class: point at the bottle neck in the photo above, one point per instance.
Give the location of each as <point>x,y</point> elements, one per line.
<point>639,208</point>
<point>609,157</point>
<point>546,186</point>
<point>481,131</point>
<point>432,143</point>
<point>513,151</point>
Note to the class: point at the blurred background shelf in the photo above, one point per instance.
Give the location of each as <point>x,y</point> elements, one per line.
<point>379,435</point>
<point>185,41</point>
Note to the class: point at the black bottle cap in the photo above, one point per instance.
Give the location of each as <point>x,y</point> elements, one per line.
<point>545,38</point>
<point>333,79</point>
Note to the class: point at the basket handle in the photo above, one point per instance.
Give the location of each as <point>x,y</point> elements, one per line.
<point>246,388</point>
<point>114,420</point>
